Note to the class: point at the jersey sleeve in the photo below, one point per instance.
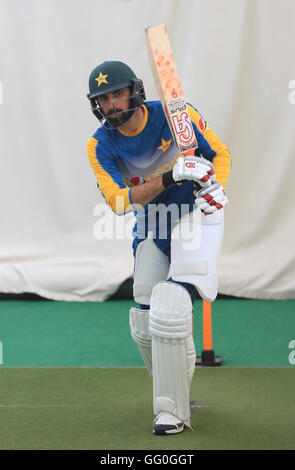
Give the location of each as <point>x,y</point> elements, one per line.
<point>109,178</point>
<point>221,157</point>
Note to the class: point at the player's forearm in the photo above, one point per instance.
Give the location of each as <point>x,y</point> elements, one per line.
<point>186,168</point>
<point>146,192</point>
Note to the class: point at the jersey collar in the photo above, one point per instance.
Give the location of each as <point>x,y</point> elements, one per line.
<point>141,127</point>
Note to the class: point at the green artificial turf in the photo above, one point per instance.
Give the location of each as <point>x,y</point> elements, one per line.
<point>108,409</point>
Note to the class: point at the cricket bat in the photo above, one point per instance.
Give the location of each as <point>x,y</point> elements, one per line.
<point>169,87</point>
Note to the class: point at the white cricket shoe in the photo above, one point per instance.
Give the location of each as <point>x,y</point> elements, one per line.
<point>167,423</point>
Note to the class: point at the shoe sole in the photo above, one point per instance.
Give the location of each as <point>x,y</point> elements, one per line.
<point>162,430</point>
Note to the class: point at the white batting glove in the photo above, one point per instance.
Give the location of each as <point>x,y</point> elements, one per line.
<point>195,169</point>
<point>211,199</point>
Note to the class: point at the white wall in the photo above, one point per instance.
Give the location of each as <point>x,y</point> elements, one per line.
<point>235,59</point>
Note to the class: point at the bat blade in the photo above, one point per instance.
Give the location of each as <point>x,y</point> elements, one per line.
<point>169,87</point>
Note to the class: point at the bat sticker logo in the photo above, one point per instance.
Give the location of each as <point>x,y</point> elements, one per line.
<point>183,128</point>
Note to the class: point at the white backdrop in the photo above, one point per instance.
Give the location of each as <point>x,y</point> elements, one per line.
<point>236,62</point>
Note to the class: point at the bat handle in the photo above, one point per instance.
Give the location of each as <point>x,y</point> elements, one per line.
<point>190,152</point>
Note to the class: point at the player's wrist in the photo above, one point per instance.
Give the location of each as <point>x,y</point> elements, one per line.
<point>167,179</point>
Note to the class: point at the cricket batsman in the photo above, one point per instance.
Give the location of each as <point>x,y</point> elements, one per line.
<point>178,201</point>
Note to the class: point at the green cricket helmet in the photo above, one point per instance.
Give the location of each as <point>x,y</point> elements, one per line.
<point>109,77</point>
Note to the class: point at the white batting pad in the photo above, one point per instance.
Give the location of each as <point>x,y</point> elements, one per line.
<point>139,327</point>
<point>173,350</point>
<point>195,250</point>
<point>151,267</point>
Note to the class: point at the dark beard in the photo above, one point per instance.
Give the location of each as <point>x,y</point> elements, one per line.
<point>120,119</point>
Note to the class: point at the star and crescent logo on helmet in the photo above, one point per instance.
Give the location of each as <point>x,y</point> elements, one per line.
<point>101,79</point>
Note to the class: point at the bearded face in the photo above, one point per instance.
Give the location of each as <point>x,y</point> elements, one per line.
<point>115,107</point>
<point>117,117</point>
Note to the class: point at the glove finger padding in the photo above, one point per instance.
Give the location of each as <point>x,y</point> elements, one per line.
<point>195,169</point>
<point>210,176</point>
<point>211,199</point>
